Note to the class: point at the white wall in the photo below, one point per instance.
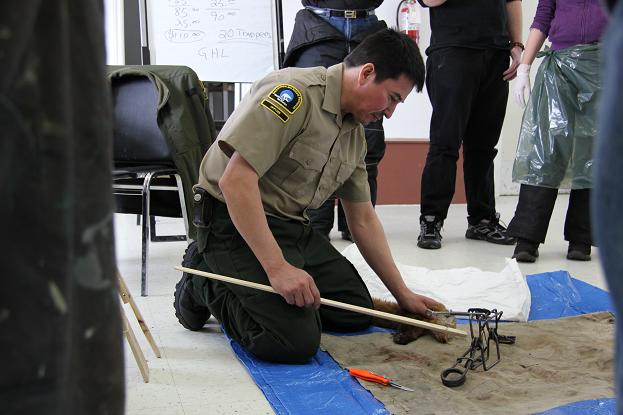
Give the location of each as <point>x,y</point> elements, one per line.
<point>115,49</point>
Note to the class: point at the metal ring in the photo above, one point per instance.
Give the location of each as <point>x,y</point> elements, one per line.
<point>452,383</point>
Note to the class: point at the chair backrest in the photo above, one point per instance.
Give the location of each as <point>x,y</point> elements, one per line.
<point>137,137</point>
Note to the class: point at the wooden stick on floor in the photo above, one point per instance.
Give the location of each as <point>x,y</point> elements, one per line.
<point>331,303</point>
<point>134,346</point>
<point>126,297</point>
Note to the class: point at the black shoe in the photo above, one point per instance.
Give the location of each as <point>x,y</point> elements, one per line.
<point>347,236</point>
<point>430,233</point>
<point>189,313</point>
<point>526,251</point>
<point>579,251</point>
<point>490,230</point>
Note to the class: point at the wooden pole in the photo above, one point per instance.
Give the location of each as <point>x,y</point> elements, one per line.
<point>134,346</point>
<point>126,297</point>
<point>331,303</point>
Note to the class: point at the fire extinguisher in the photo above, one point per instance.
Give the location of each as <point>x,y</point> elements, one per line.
<point>408,19</point>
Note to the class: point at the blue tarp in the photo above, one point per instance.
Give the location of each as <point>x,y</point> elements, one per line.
<point>556,294</point>
<point>318,387</point>
<point>322,387</point>
<point>592,407</point>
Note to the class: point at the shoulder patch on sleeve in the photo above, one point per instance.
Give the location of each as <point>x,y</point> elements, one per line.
<point>286,96</point>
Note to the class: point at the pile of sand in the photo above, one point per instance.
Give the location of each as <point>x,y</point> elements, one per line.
<point>553,362</point>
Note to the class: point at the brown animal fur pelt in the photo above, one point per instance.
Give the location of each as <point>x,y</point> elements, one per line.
<point>405,333</point>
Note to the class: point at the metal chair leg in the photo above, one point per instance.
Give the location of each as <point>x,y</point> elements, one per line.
<point>145,232</point>
<point>180,192</point>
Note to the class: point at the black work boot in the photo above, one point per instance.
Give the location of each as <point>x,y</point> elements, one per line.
<point>490,230</point>
<point>526,251</point>
<point>579,251</point>
<point>430,232</point>
<point>188,311</point>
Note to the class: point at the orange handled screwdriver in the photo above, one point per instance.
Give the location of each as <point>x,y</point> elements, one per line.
<point>373,377</point>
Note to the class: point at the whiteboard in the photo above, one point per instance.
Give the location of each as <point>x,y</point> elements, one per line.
<point>221,40</point>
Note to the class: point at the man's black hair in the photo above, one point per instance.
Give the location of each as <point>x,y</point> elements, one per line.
<point>392,54</point>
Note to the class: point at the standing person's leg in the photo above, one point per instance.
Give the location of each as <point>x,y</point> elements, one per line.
<point>342,224</point>
<point>481,137</point>
<point>531,221</point>
<point>452,78</point>
<point>375,138</point>
<point>607,196</point>
<point>578,225</point>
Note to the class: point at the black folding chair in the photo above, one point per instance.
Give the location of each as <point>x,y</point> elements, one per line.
<point>146,181</point>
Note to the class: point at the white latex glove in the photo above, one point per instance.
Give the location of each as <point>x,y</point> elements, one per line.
<point>521,87</point>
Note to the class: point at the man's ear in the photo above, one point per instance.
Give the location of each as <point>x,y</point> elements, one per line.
<point>366,74</point>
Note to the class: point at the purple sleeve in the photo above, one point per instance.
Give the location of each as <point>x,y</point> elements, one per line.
<point>544,15</point>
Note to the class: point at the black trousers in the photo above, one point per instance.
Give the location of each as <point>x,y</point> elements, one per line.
<point>469,97</point>
<point>263,322</point>
<point>534,211</point>
<point>322,218</point>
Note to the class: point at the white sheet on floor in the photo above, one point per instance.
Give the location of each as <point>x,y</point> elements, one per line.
<point>459,288</point>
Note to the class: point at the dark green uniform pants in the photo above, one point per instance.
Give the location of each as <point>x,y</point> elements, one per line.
<point>263,322</point>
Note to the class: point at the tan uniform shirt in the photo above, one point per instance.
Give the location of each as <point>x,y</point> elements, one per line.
<point>290,129</point>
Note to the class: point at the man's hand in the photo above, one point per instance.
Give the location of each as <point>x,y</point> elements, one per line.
<point>416,303</point>
<point>521,89</point>
<point>511,72</point>
<point>296,286</point>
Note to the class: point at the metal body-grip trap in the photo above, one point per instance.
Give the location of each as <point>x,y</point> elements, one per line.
<point>484,337</point>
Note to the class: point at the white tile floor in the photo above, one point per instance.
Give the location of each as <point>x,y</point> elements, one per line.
<point>199,374</point>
